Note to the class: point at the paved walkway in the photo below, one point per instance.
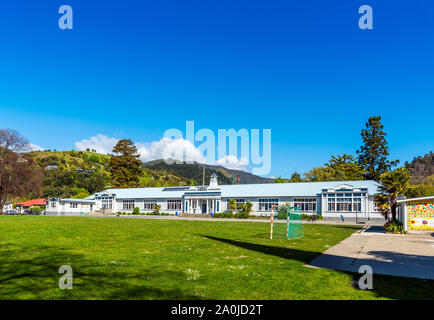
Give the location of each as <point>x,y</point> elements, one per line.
<point>410,255</point>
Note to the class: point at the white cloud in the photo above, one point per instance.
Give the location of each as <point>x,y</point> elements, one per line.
<point>33,147</point>
<point>177,149</point>
<point>232,162</point>
<point>165,148</point>
<point>100,143</point>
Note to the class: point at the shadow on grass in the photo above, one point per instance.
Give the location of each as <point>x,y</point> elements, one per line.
<point>31,272</point>
<point>384,285</point>
<point>286,253</point>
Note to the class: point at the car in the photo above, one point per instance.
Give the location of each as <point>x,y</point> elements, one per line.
<point>12,212</point>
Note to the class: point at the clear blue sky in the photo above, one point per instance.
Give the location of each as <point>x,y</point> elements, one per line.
<point>301,68</point>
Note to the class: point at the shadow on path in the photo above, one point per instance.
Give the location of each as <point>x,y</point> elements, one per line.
<point>388,286</point>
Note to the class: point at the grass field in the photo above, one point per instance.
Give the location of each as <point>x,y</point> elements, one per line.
<point>118,258</point>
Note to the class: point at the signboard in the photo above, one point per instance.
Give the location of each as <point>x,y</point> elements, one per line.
<point>420,215</point>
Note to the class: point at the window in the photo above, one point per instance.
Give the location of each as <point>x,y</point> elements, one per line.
<point>149,204</point>
<point>53,204</point>
<point>305,204</point>
<point>128,204</point>
<point>238,202</point>
<point>73,205</point>
<point>107,204</point>
<point>347,202</point>
<point>174,204</point>
<point>268,204</point>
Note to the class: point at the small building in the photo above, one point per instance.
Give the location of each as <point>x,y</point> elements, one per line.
<point>352,199</point>
<point>69,207</point>
<point>417,213</point>
<point>7,206</point>
<point>21,206</point>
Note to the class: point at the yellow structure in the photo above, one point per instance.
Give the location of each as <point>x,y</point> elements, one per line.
<point>417,213</point>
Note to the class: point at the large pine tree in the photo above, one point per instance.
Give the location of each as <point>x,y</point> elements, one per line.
<point>125,166</point>
<point>373,154</point>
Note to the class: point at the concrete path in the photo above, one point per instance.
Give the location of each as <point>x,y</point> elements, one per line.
<point>410,255</point>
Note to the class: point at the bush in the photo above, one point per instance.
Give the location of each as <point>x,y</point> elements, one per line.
<point>282,213</point>
<point>310,217</point>
<point>394,227</point>
<point>226,214</point>
<point>242,215</point>
<point>136,210</point>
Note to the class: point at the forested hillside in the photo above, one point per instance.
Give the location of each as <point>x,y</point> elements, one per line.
<point>422,169</point>
<point>195,172</point>
<point>78,174</point>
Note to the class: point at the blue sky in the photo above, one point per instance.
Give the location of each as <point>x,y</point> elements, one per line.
<point>303,69</point>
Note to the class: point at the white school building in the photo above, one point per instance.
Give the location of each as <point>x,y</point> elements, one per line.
<point>352,199</point>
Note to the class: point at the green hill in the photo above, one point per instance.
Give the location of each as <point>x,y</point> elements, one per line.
<point>422,169</point>
<point>79,174</point>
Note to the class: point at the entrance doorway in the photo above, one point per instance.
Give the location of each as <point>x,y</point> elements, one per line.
<point>203,207</point>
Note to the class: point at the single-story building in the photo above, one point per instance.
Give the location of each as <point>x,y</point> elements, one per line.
<point>21,206</point>
<point>352,199</point>
<point>417,213</point>
<point>8,206</point>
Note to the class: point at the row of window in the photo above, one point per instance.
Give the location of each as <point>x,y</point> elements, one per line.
<point>268,204</point>
<point>305,204</point>
<point>345,204</point>
<point>150,204</point>
<point>331,195</point>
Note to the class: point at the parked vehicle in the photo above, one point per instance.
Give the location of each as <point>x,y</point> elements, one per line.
<point>12,212</point>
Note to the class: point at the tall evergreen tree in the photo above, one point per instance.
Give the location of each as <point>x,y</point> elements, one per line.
<point>374,152</point>
<point>295,177</point>
<point>345,167</point>
<point>125,166</point>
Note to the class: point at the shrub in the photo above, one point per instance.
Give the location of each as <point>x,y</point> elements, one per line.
<point>242,215</point>
<point>227,214</point>
<point>136,210</point>
<point>394,227</point>
<point>282,213</point>
<point>217,215</point>
<point>310,217</point>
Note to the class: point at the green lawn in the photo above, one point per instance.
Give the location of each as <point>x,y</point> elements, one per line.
<point>118,258</point>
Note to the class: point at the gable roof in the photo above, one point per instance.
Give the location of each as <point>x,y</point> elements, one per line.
<point>34,202</point>
<point>296,189</point>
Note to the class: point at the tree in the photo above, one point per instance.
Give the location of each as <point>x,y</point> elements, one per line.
<point>382,203</point>
<point>157,208</point>
<point>232,205</point>
<point>125,166</point>
<point>279,180</point>
<point>295,177</point>
<point>374,152</point>
<point>319,174</point>
<point>19,174</point>
<point>248,207</point>
<point>345,167</point>
<point>392,184</point>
